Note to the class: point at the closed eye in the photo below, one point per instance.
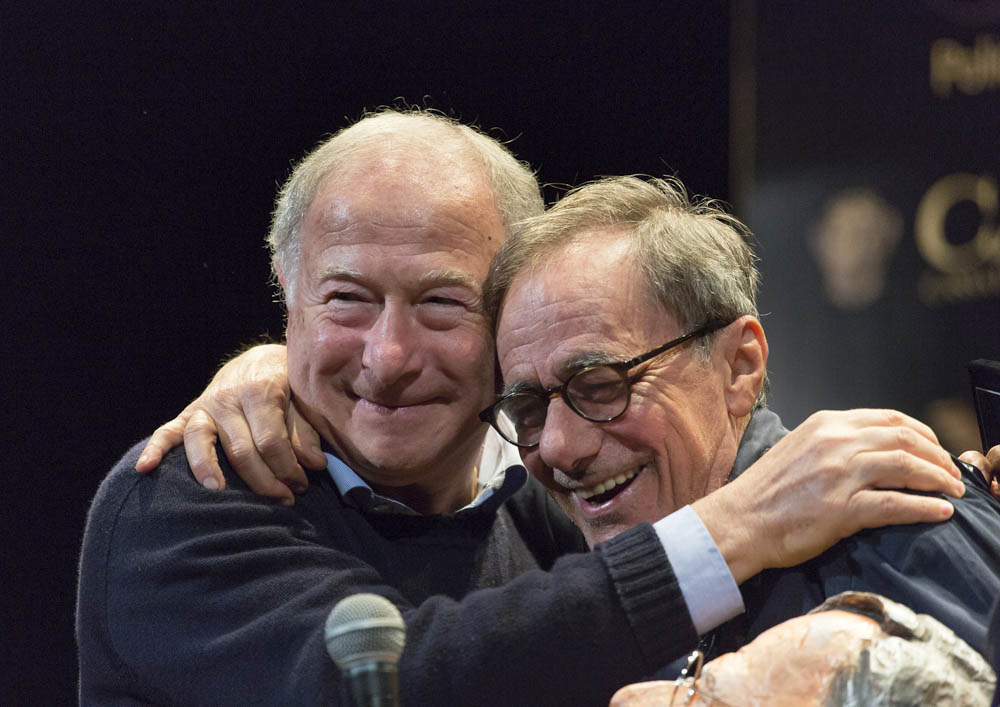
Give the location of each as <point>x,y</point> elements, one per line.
<point>445,300</point>
<point>344,297</point>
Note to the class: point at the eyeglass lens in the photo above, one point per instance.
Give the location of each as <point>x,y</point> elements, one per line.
<point>598,394</point>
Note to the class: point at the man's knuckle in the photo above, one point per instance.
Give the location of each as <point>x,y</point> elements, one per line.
<point>893,418</point>
<point>240,453</point>
<point>821,418</point>
<point>169,428</point>
<point>271,443</point>
<point>200,422</point>
<point>223,396</point>
<point>907,437</point>
<point>902,462</point>
<point>886,505</point>
<point>828,444</point>
<point>265,393</point>
<point>277,393</point>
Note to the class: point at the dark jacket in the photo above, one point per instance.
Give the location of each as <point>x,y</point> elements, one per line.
<point>949,570</point>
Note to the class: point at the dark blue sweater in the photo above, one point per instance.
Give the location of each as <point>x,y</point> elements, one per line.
<point>194,597</point>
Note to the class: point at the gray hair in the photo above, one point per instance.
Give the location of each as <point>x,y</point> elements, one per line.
<point>696,259</point>
<point>515,189</point>
<point>919,662</point>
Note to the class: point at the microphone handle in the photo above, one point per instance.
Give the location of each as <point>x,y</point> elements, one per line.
<point>374,684</point>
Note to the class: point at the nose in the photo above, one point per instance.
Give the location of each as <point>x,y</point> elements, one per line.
<point>391,347</point>
<point>568,442</point>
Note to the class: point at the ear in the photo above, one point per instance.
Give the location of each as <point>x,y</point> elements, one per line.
<point>745,351</point>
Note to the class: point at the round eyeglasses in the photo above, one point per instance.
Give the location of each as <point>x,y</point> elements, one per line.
<point>598,393</point>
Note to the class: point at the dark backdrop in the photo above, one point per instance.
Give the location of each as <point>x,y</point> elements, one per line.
<point>141,150</point>
<point>896,106</point>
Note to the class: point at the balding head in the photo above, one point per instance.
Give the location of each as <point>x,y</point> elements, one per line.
<point>390,137</point>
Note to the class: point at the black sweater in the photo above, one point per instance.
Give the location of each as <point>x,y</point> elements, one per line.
<point>191,597</point>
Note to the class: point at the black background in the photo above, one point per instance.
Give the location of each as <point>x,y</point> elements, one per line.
<point>865,116</point>
<point>142,145</point>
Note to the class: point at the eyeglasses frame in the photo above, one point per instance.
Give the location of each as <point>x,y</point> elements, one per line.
<point>547,394</point>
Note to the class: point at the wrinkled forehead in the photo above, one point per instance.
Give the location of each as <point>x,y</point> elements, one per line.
<point>389,196</point>
<point>581,306</point>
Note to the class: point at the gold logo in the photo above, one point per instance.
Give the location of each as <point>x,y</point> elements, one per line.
<point>967,268</point>
<point>969,70</point>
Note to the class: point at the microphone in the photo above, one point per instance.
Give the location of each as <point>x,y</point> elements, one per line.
<point>365,635</point>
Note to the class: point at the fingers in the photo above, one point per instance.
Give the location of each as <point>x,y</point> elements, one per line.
<point>872,449</point>
<point>233,431</point>
<point>898,418</point>
<point>904,472</point>
<point>271,443</point>
<point>305,440</point>
<point>899,469</point>
<point>885,430</point>
<point>866,418</point>
<point>244,409</point>
<point>874,509</point>
<point>904,433</point>
<point>166,437</point>
<point>200,436</point>
<point>256,439</point>
<point>242,453</point>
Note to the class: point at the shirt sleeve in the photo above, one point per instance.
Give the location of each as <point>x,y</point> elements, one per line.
<point>702,574</point>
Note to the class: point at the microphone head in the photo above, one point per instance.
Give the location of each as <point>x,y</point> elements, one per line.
<point>364,628</point>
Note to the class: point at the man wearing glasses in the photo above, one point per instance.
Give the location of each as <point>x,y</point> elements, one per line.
<point>381,240</point>
<point>619,439</point>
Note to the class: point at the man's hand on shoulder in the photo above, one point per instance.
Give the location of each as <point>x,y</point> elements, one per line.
<point>248,408</point>
<point>832,476</point>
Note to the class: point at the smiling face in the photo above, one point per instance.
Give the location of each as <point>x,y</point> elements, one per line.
<point>389,354</point>
<point>677,440</point>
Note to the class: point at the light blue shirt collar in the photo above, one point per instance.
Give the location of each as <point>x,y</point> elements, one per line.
<point>497,457</point>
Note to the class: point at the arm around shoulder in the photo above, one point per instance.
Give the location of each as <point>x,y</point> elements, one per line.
<point>193,596</point>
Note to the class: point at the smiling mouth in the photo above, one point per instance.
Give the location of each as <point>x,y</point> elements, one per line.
<point>379,405</point>
<point>606,490</point>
